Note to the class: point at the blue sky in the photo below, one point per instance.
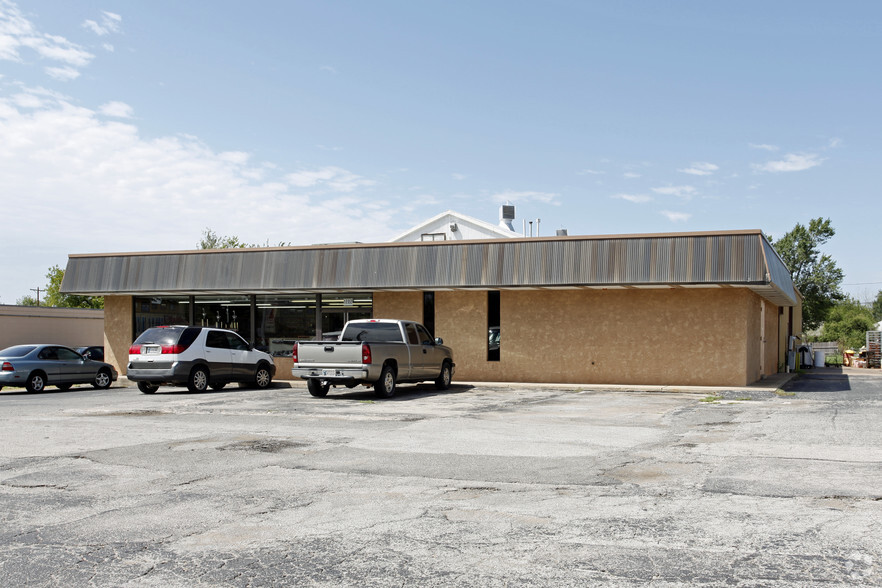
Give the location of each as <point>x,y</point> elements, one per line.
<point>130,126</point>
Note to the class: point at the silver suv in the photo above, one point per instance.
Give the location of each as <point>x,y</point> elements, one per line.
<point>197,357</point>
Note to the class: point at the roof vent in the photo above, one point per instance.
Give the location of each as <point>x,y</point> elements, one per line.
<point>561,232</point>
<point>506,215</point>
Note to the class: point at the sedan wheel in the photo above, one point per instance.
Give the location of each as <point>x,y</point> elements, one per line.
<point>36,382</point>
<point>102,380</point>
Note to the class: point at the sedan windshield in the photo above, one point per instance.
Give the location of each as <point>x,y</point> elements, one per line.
<point>17,351</point>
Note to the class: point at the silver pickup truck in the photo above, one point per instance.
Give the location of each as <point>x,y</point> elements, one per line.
<point>374,352</point>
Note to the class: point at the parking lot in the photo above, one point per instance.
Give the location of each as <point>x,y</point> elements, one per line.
<point>494,485</point>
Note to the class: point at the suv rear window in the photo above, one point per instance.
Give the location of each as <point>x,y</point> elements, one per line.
<point>372,332</point>
<point>168,336</point>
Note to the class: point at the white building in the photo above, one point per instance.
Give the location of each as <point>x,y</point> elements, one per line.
<point>453,226</point>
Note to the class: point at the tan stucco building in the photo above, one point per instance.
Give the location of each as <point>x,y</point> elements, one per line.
<point>670,309</point>
<point>74,327</point>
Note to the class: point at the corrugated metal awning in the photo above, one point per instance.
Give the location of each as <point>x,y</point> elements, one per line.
<point>736,259</point>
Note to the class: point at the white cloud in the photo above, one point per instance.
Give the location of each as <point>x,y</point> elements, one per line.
<point>590,172</point>
<point>64,74</point>
<point>17,34</point>
<point>700,168</point>
<point>791,162</point>
<point>834,143</point>
<point>521,197</point>
<point>108,47</point>
<point>116,109</point>
<point>679,191</point>
<point>334,178</point>
<point>637,198</point>
<point>459,176</point>
<point>676,217</point>
<point>631,175</point>
<point>93,184</point>
<point>110,23</point>
<point>764,146</point>
<point>328,69</point>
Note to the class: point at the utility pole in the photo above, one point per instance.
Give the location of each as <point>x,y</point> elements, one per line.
<point>37,290</point>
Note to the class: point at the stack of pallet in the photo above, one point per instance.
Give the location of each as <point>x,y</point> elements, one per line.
<point>874,348</point>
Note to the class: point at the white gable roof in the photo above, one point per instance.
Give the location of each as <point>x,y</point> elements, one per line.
<point>455,227</point>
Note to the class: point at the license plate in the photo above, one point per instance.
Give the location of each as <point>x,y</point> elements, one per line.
<point>154,350</point>
<point>329,373</point>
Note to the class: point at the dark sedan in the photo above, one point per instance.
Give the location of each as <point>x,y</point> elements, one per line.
<point>38,366</point>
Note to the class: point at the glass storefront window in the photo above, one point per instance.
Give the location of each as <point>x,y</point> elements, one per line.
<point>337,309</point>
<point>282,320</point>
<point>224,312</point>
<point>153,311</point>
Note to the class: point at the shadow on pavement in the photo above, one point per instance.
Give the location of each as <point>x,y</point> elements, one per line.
<point>403,393</point>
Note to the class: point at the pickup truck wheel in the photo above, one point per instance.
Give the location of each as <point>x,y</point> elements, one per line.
<point>147,387</point>
<point>385,386</point>
<point>318,388</point>
<point>443,381</point>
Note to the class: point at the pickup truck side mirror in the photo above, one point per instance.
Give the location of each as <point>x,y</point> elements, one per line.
<point>439,341</point>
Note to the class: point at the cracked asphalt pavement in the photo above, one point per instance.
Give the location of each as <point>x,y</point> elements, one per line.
<point>479,485</point>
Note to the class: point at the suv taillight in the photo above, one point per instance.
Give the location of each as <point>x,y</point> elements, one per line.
<point>365,353</point>
<point>135,350</point>
<point>166,349</point>
<point>7,367</point>
<point>294,353</point>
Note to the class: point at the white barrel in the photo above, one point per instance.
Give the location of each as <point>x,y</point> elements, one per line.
<point>819,359</point>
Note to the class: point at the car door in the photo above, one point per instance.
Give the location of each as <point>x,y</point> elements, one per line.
<point>73,368</point>
<point>50,364</point>
<point>217,353</point>
<point>432,356</point>
<point>417,357</point>
<point>240,356</point>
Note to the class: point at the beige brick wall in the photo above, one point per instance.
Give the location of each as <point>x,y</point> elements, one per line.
<point>702,336</point>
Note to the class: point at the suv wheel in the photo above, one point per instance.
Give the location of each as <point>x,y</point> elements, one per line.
<point>147,387</point>
<point>262,378</point>
<point>198,380</point>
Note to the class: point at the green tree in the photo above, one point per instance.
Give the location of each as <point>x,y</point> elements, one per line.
<point>26,301</point>
<point>54,297</point>
<point>847,323</point>
<point>211,240</point>
<point>877,307</point>
<point>814,274</point>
